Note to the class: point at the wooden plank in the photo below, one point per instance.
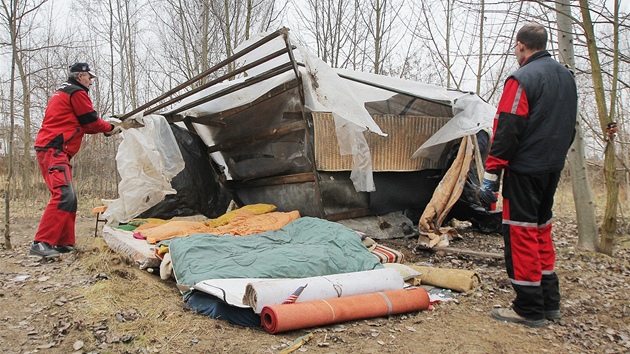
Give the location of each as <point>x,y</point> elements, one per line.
<point>230,89</point>
<point>189,119</point>
<point>348,214</point>
<point>468,252</point>
<point>478,161</point>
<point>291,127</point>
<point>202,75</point>
<point>294,115</point>
<point>274,181</point>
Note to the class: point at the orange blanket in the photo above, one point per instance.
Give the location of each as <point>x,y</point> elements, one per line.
<point>247,223</point>
<point>172,229</point>
<point>242,224</point>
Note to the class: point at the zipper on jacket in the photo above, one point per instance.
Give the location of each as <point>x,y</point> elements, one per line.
<point>76,131</point>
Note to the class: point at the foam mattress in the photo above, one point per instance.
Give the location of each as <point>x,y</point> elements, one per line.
<point>121,241</point>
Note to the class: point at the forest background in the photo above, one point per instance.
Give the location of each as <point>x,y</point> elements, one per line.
<point>142,49</point>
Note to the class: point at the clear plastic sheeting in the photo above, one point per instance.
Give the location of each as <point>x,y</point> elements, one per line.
<point>369,87</point>
<point>148,159</point>
<point>350,96</point>
<point>324,91</point>
<point>329,93</point>
<point>472,114</point>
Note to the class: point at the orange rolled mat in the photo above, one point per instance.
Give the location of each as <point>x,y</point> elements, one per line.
<point>288,317</point>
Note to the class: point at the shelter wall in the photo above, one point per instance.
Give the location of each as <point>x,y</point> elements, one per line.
<point>389,153</point>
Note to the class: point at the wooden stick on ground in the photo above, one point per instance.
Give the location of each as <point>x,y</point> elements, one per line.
<point>469,252</point>
<point>298,343</point>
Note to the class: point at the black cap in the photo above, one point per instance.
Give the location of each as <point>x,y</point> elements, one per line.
<point>81,68</point>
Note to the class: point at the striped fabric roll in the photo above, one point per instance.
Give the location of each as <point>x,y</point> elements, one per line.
<point>387,255</point>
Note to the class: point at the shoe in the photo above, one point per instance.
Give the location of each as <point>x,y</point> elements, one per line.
<point>509,315</point>
<point>65,249</point>
<point>553,315</point>
<point>43,249</point>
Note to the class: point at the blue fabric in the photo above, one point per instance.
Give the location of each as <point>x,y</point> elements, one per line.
<point>213,307</point>
<point>306,247</point>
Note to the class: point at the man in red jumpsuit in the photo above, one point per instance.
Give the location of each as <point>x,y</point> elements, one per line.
<point>69,115</point>
<point>533,130</point>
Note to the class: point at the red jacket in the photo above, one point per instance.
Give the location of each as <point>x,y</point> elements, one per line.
<point>69,115</point>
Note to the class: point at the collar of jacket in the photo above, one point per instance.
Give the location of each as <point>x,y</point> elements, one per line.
<point>75,82</point>
<point>537,55</point>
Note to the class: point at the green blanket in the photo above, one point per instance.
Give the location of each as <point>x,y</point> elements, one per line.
<point>306,247</point>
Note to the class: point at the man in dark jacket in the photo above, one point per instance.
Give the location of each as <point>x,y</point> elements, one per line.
<point>533,130</point>
<point>69,115</point>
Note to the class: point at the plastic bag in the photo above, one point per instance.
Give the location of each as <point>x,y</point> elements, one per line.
<point>148,159</point>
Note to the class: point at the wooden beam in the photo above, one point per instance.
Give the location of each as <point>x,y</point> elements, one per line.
<point>271,36</point>
<point>348,214</point>
<point>294,115</point>
<point>274,181</point>
<point>228,90</point>
<point>468,252</point>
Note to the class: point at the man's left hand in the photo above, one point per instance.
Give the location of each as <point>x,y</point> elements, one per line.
<point>489,186</point>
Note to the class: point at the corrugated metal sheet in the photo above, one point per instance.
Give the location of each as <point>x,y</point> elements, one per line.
<point>390,153</point>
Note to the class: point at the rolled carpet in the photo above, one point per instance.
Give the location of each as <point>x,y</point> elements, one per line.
<point>288,317</point>
<point>455,279</point>
<point>274,292</point>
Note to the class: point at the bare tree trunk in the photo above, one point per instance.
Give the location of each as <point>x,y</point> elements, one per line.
<point>131,43</point>
<point>26,156</point>
<point>448,43</point>
<point>12,19</point>
<point>379,10</point>
<point>228,35</point>
<point>111,56</point>
<point>582,195</point>
<point>609,224</point>
<point>121,56</point>
<point>481,39</point>
<point>248,19</point>
<point>205,27</point>
<point>182,22</point>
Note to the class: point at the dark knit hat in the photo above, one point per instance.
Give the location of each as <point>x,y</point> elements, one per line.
<point>81,68</point>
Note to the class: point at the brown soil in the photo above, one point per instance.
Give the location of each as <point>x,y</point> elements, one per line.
<point>95,301</point>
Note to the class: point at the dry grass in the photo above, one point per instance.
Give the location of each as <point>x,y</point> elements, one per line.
<point>564,204</point>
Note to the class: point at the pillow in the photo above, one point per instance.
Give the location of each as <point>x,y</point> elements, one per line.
<point>386,254</point>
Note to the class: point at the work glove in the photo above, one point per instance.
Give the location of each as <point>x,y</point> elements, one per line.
<point>489,187</point>
<point>117,129</point>
<point>128,123</point>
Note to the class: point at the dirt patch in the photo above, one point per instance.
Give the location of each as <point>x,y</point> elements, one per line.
<point>95,301</point>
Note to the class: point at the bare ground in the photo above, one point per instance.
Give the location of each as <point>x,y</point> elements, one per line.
<point>95,301</point>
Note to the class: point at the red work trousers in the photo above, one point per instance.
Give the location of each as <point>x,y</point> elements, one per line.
<point>57,224</point>
<point>529,251</point>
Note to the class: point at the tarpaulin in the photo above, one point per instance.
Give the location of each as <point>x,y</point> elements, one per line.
<point>282,318</point>
<point>444,197</point>
<point>306,247</point>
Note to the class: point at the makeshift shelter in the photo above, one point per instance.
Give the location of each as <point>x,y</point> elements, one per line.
<point>284,128</point>
<point>275,126</point>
